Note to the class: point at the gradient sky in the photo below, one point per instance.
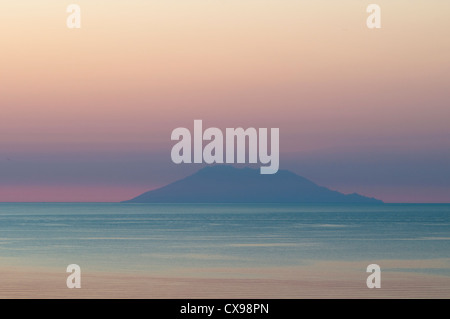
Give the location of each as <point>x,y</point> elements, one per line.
<point>86,115</point>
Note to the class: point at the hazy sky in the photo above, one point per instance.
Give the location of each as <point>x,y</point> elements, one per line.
<point>86,115</point>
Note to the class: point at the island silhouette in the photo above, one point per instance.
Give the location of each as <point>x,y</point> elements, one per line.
<point>228,184</point>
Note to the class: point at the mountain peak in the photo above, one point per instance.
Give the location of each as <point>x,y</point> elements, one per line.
<point>228,184</point>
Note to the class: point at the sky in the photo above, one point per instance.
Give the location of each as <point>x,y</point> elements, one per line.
<point>87,114</point>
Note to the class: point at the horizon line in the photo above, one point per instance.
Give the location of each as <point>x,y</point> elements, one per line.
<point>240,203</point>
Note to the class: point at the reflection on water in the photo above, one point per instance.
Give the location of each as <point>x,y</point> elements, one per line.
<point>154,239</point>
<point>224,251</point>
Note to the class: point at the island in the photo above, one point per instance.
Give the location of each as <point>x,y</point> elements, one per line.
<point>228,184</point>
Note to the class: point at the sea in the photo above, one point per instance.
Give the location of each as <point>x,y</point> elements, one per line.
<point>201,240</point>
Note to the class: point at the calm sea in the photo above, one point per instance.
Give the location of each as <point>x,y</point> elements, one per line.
<point>164,239</point>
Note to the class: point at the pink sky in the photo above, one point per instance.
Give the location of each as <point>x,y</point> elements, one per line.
<point>138,69</point>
